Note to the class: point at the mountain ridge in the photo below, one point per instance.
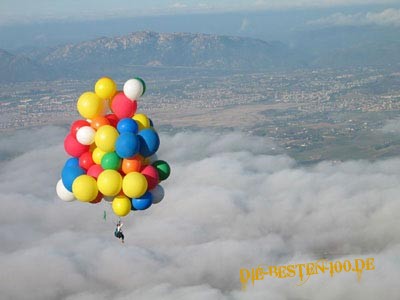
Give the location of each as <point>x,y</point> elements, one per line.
<point>150,48</point>
<point>111,55</point>
<point>14,68</point>
<point>210,52</point>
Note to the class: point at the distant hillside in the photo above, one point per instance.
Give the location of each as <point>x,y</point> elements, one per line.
<point>168,49</point>
<point>116,56</point>
<point>18,68</point>
<point>113,55</point>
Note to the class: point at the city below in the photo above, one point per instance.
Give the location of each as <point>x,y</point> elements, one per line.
<point>312,114</point>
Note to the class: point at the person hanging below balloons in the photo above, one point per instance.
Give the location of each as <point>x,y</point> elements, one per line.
<point>118,231</point>
<point>112,152</point>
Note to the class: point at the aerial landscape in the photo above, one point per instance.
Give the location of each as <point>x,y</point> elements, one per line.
<point>281,123</point>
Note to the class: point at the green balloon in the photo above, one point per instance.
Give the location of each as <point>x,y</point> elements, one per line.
<point>111,161</point>
<point>143,83</point>
<point>163,169</point>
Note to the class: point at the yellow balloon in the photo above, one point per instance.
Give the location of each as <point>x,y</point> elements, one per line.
<point>106,137</point>
<point>142,120</point>
<point>105,88</point>
<point>134,185</point>
<point>90,105</point>
<point>97,155</point>
<point>109,182</point>
<point>121,205</point>
<point>84,188</point>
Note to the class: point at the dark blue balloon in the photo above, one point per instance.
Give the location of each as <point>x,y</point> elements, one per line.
<point>72,162</point>
<point>151,123</point>
<point>143,202</point>
<point>127,145</point>
<point>149,142</point>
<point>69,174</point>
<point>127,125</point>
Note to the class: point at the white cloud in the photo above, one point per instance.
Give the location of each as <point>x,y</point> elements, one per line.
<point>387,17</point>
<point>245,25</point>
<point>270,4</point>
<point>230,203</point>
<point>178,5</point>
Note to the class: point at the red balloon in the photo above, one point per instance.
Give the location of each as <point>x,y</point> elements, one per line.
<point>73,147</point>
<point>98,198</point>
<point>86,160</point>
<point>95,171</point>
<point>113,119</point>
<point>151,175</point>
<point>122,106</point>
<point>76,125</point>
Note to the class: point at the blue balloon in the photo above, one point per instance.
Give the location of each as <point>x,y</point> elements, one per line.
<point>72,162</point>
<point>127,125</point>
<point>127,145</point>
<point>149,142</point>
<point>143,202</point>
<point>69,174</point>
<point>151,123</point>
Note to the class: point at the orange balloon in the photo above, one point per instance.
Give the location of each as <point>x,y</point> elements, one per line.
<point>97,122</point>
<point>92,147</point>
<point>131,164</point>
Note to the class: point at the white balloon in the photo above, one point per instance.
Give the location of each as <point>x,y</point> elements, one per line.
<point>133,89</point>
<point>108,198</point>
<point>157,193</point>
<point>85,135</point>
<point>63,193</point>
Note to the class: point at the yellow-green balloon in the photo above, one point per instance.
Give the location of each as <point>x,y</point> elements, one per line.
<point>142,120</point>
<point>90,105</point>
<point>106,137</point>
<point>134,184</point>
<point>121,205</point>
<point>85,188</point>
<point>109,182</point>
<point>97,155</point>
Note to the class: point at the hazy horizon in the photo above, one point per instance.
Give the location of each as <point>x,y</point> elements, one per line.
<point>280,24</point>
<point>43,10</point>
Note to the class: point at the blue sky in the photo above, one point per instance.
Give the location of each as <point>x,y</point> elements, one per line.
<point>25,11</point>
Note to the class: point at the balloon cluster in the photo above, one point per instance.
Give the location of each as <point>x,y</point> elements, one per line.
<point>113,156</point>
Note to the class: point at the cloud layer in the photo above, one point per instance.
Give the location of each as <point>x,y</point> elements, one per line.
<point>387,17</point>
<point>230,203</point>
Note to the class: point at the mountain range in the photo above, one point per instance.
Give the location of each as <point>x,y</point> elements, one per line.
<point>147,49</point>
<point>19,68</point>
